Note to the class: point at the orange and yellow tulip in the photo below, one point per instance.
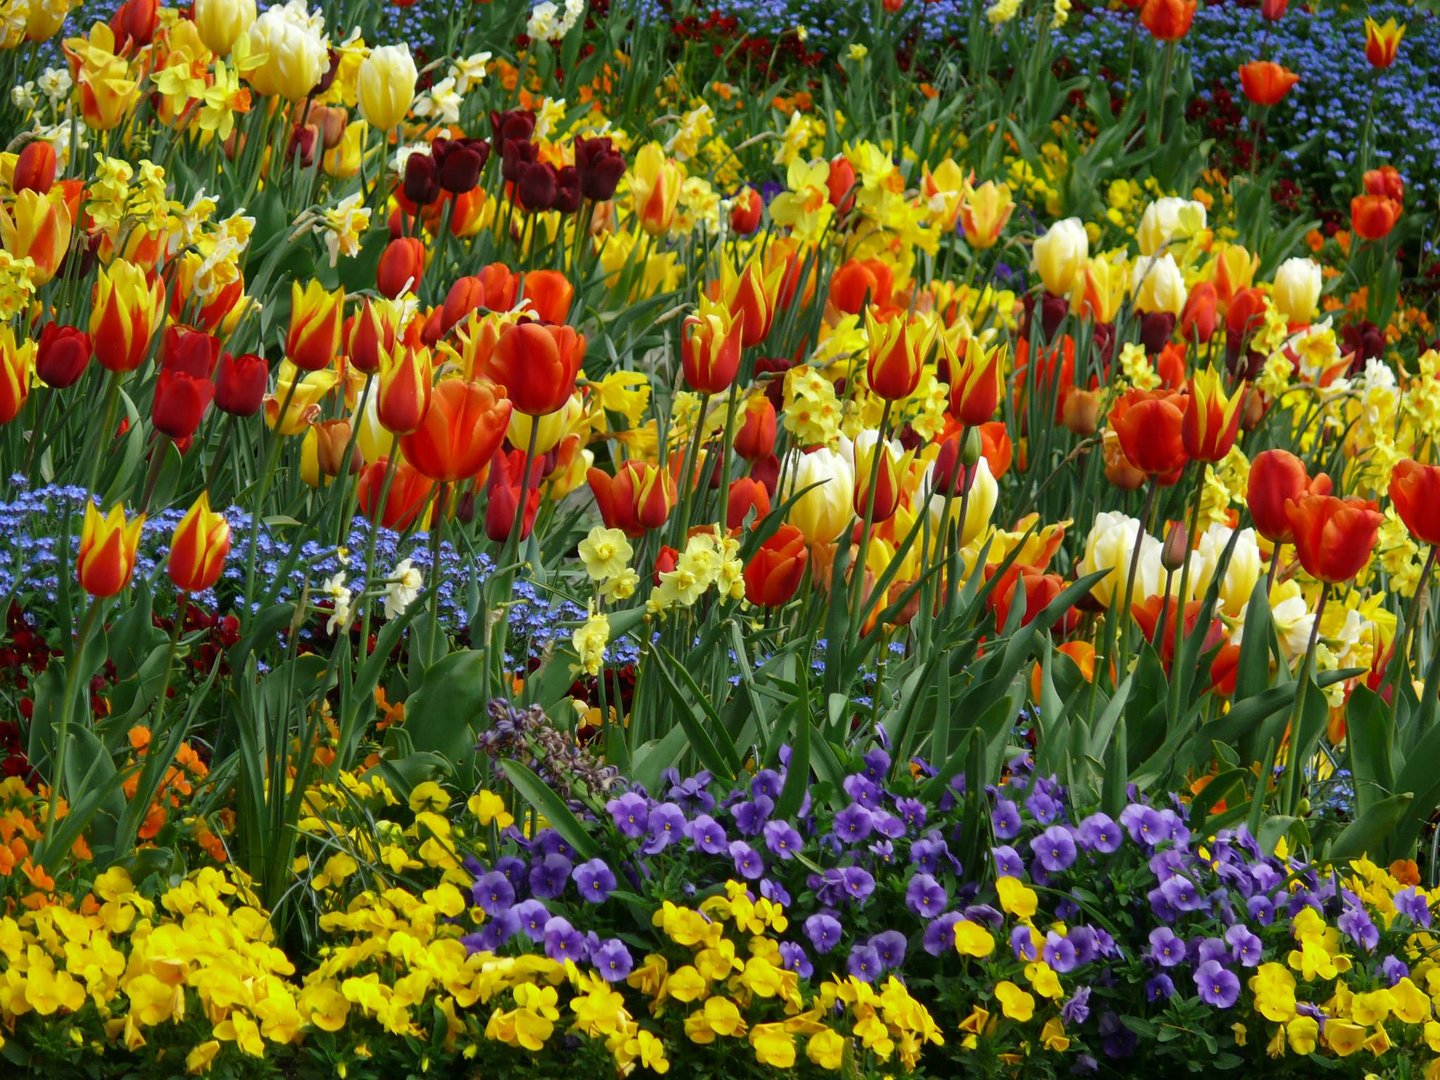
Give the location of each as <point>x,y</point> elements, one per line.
<point>107,550</point>
<point>199,547</point>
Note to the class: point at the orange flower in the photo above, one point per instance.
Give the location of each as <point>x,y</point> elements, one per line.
<point>1168,20</point>
<point>37,227</point>
<point>17,365</point>
<point>316,318</point>
<point>550,294</point>
<point>1265,82</point>
<point>198,550</point>
<point>460,431</point>
<point>1149,426</point>
<point>1382,42</point>
<point>1415,493</point>
<point>776,569</point>
<point>537,364</point>
<point>897,348</point>
<point>1373,216</point>
<point>746,494</point>
<point>752,295</point>
<point>402,264</point>
<point>34,168</point>
<point>1385,181</point>
<point>1201,316</point>
<point>1212,420</point>
<point>1276,478</point>
<point>369,334</point>
<point>107,550</point>
<point>406,378</point>
<point>861,281</point>
<point>1333,536</point>
<point>976,380</point>
<point>710,344</point>
<point>122,322</point>
<point>406,498</point>
<point>638,497</point>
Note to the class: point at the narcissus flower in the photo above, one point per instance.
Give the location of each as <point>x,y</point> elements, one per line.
<point>126,312</point>
<point>459,432</point>
<point>107,550</point>
<point>1265,82</point>
<point>1333,536</point>
<point>199,547</point>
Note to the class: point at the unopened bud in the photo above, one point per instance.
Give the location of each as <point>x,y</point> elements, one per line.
<point>1176,547</point>
<point>970,451</point>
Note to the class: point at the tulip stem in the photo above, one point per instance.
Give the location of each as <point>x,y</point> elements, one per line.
<point>1400,651</point>
<point>1191,542</point>
<point>152,473</point>
<point>1274,571</point>
<point>347,499</point>
<point>857,574</point>
<point>272,456</point>
<point>730,410</point>
<point>62,727</point>
<point>105,431</point>
<point>517,527</point>
<point>437,536</point>
<point>1123,617</point>
<point>42,413</point>
<point>1294,764</point>
<point>688,467</point>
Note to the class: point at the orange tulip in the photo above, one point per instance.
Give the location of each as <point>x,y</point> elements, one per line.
<point>1031,588</point>
<point>1200,318</point>
<point>107,550</point>
<point>859,282</point>
<point>1149,426</point>
<point>34,168</point>
<point>710,345</point>
<point>655,183</point>
<point>1415,493</point>
<point>776,569</point>
<point>897,349</point>
<point>123,319</point>
<point>745,211</point>
<point>1372,217</point>
<point>984,214</point>
<point>37,227</point>
<point>1382,42</point>
<point>1212,420</point>
<point>1333,536</point>
<point>1278,477</point>
<point>755,438</point>
<point>316,319</point>
<point>537,363</point>
<point>402,265</point>
<point>638,497</point>
<point>744,496</point>
<point>1265,82</point>
<point>550,294</point>
<point>199,547</point>
<point>409,491</point>
<point>369,335</point>
<point>976,380</point>
<point>502,288</point>
<point>17,365</point>
<point>460,432</point>
<point>406,378</point>
<point>1385,180</point>
<point>1168,20</point>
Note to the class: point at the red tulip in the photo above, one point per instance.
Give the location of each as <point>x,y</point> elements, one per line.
<point>1149,425</point>
<point>240,384</point>
<point>62,355</point>
<point>1415,493</point>
<point>1276,478</point>
<point>1333,536</point>
<point>777,567</point>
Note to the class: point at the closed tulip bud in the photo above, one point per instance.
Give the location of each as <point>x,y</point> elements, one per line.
<point>184,348</point>
<point>385,86</point>
<point>984,214</point>
<point>1278,477</point>
<point>746,211</point>
<point>107,550</point>
<point>859,283</point>
<point>422,179</point>
<point>1373,217</point>
<point>466,295</point>
<point>502,288</point>
<point>1176,546</point>
<point>976,380</point>
<point>1032,590</point>
<point>1415,494</point>
<point>1333,536</point>
<point>62,355</point>
<point>503,489</point>
<point>181,400</point>
<point>332,439</point>
<point>37,227</point>
<point>710,346</point>
<point>1274,10</point>
<point>221,22</point>
<point>1158,285</point>
<point>1265,82</point>
<point>1102,287</point>
<point>775,571</point>
<point>637,498</point>
<point>869,455</point>
<point>402,264</point>
<point>460,431</point>
<point>1168,20</point>
<point>1234,271</point>
<point>654,189</point>
<point>133,25</point>
<point>840,183</point>
<point>1059,256</point>
<point>1080,412</point>
<point>516,155</point>
<point>599,166</point>
<point>370,334</point>
<point>1212,420</point>
<point>296,59</point>
<point>755,438</point>
<point>1386,181</point>
<point>824,481</point>
<point>304,140</point>
<point>316,319</point>
<point>406,498</point>
<point>199,547</point>
<point>567,190</point>
<point>1169,220</point>
<point>1297,289</point>
<point>1201,316</point>
<point>458,163</point>
<point>537,363</point>
<point>1382,42</point>
<point>17,364</point>
<point>752,294</point>
<point>511,124</point>
<point>746,494</point>
<point>240,384</point>
<point>535,185</point>
<point>406,378</point>
<point>35,168</point>
<point>896,348</point>
<point>123,319</point>
<point>1148,424</point>
<point>550,295</point>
